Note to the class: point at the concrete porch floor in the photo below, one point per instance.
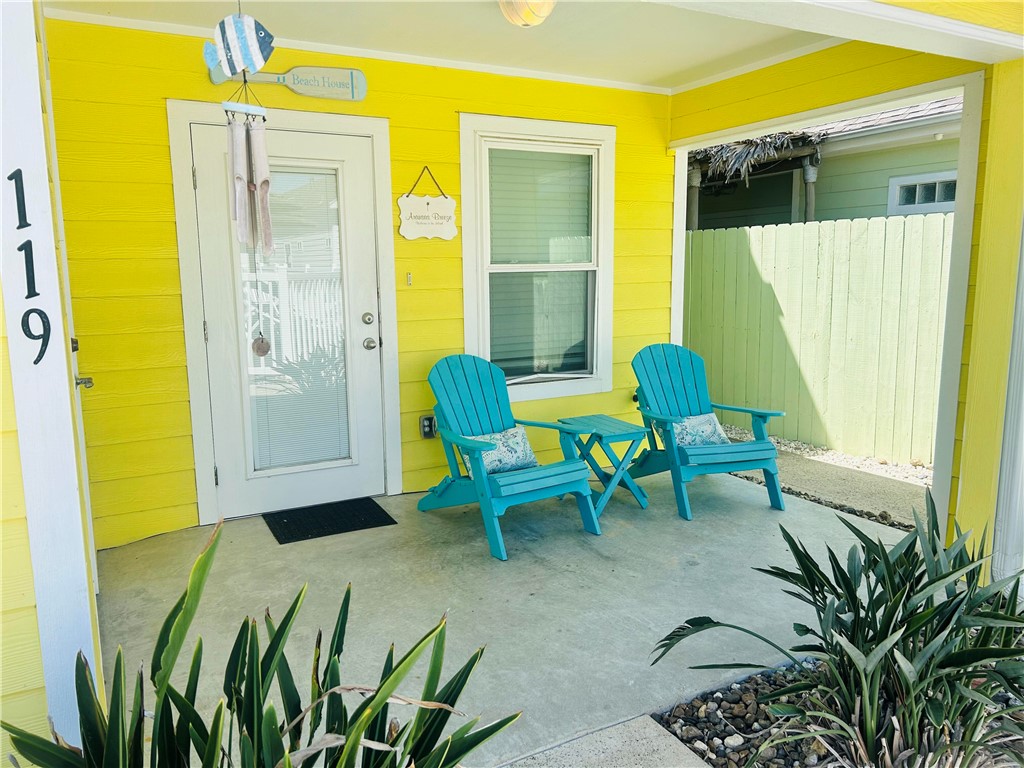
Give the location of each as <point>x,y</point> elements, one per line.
<point>569,620</point>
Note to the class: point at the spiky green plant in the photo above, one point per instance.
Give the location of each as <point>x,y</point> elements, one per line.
<point>113,737</point>
<point>917,657</point>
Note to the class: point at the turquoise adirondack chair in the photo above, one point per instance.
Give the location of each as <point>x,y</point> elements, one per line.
<point>673,386</point>
<point>472,400</point>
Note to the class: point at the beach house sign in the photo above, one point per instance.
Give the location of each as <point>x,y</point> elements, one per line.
<point>320,82</point>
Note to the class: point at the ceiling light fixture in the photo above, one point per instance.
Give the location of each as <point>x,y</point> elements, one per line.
<point>526,13</point>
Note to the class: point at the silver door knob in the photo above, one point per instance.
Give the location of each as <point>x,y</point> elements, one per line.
<point>369,343</point>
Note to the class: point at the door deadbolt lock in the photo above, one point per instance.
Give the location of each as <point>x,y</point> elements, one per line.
<point>369,343</point>
<point>368,318</point>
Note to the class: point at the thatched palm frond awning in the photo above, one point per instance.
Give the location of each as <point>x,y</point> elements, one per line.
<point>739,159</point>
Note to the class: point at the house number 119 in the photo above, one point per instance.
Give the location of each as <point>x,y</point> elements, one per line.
<point>42,335</point>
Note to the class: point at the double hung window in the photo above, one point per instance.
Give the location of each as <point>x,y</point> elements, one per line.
<point>537,252</point>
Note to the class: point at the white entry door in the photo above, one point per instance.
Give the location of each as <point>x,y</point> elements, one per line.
<point>303,424</point>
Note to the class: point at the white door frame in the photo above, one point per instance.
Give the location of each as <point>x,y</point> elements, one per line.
<point>180,116</point>
<point>972,85</point>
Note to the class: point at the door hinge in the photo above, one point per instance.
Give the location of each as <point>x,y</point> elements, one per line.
<point>206,333</point>
<point>195,184</point>
<point>216,475</point>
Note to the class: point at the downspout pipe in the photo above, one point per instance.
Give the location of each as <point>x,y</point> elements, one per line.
<point>1008,535</point>
<point>810,177</point>
<point>693,177</point>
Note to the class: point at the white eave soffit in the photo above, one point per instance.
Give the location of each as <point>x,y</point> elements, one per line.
<point>873,22</point>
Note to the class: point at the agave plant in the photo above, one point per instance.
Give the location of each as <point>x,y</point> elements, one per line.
<point>257,737</point>
<point>918,660</point>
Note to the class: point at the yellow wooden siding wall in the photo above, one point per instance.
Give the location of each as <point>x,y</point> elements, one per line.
<point>109,88</point>
<point>995,257</point>
<point>22,695</point>
<point>830,77</point>
<point>859,70</point>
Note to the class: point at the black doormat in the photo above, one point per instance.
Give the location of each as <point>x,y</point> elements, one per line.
<point>304,523</point>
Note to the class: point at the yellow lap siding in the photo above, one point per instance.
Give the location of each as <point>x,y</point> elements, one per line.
<point>127,495</point>
<point>127,352</point>
<point>117,530</point>
<point>22,697</point>
<point>987,347</point>
<point>111,134</point>
<point>833,76</point>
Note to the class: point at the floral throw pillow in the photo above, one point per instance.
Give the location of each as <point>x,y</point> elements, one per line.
<point>703,429</point>
<point>512,451</point>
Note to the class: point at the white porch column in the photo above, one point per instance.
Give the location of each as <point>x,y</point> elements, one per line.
<point>40,375</point>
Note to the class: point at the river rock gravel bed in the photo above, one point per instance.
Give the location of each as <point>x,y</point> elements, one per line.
<point>725,727</point>
<point>915,472</point>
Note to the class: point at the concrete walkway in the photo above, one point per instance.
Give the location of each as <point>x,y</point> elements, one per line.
<point>848,488</point>
<point>636,743</point>
<point>569,621</point>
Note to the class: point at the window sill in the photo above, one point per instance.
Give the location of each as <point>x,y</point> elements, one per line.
<point>545,390</point>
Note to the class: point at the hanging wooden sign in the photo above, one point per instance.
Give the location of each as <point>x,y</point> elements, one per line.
<point>426,216</point>
<point>320,82</point>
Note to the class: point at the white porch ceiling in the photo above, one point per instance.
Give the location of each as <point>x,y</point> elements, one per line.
<point>650,45</point>
<point>656,45</point>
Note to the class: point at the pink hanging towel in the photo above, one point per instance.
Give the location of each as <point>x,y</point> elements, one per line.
<point>261,178</point>
<point>238,157</point>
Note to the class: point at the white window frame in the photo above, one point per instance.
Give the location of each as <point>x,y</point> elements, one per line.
<point>895,182</point>
<point>478,134</point>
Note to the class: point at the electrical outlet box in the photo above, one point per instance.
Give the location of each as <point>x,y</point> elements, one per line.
<point>428,427</point>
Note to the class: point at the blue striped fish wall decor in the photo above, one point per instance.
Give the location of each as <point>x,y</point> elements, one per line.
<point>240,43</point>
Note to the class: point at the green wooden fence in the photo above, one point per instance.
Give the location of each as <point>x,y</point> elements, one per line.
<point>839,323</point>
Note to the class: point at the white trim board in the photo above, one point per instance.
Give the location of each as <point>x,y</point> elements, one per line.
<point>180,115</point>
<point>972,86</point>
<point>69,319</point>
<point>678,286</point>
<point>41,381</point>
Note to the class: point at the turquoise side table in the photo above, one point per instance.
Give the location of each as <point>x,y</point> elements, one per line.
<point>603,431</point>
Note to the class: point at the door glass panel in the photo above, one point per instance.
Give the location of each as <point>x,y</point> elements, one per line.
<point>298,394</point>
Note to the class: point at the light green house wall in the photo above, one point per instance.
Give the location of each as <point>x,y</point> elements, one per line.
<point>856,186</point>
<point>852,186</point>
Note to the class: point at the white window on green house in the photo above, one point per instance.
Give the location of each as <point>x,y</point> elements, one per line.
<point>537,252</point>
<point>922,193</point>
